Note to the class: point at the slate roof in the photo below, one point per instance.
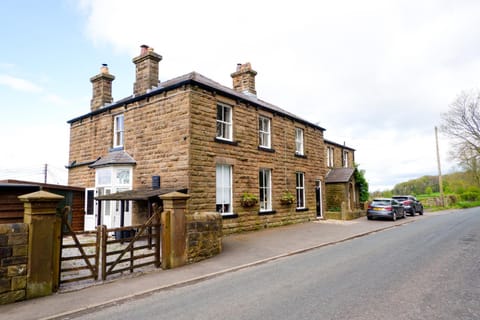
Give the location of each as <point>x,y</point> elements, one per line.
<point>339,175</point>
<point>195,78</point>
<point>337,144</point>
<point>114,157</point>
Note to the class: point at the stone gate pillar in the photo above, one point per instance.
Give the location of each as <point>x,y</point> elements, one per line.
<point>43,242</point>
<point>174,230</point>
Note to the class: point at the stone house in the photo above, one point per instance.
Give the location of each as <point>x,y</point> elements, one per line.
<point>223,145</point>
<point>340,184</point>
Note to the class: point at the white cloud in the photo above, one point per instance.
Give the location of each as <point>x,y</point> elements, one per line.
<point>55,99</point>
<point>19,84</point>
<point>373,73</point>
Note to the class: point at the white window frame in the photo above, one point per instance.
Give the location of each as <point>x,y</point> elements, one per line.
<point>265,189</point>
<point>300,189</point>
<point>118,131</point>
<point>264,132</point>
<point>345,158</point>
<point>224,122</point>
<point>330,156</point>
<point>223,185</point>
<point>112,179</point>
<point>299,147</point>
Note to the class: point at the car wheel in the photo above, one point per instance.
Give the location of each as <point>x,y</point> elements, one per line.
<point>369,218</point>
<point>394,217</point>
<point>421,212</point>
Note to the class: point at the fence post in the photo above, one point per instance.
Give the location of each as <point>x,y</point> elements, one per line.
<point>43,242</point>
<point>103,262</point>
<point>174,230</point>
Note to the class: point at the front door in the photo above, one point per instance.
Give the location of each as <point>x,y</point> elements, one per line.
<point>318,196</point>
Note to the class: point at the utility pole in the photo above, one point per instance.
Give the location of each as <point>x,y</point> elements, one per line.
<point>45,170</point>
<point>439,170</point>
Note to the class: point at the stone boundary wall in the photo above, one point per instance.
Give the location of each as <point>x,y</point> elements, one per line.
<point>345,214</point>
<point>349,215</point>
<point>13,262</point>
<point>204,235</point>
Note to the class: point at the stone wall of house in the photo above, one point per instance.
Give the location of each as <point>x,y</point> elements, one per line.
<point>335,195</point>
<point>173,135</point>
<point>13,262</point>
<point>204,235</point>
<point>246,159</point>
<point>156,136</point>
<point>338,155</point>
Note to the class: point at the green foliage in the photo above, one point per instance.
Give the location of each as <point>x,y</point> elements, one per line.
<point>287,198</point>
<point>334,209</point>
<point>453,183</point>
<point>471,194</point>
<point>248,199</point>
<point>361,183</point>
<point>461,190</point>
<point>468,204</point>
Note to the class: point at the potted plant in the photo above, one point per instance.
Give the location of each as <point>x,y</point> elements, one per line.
<point>248,199</point>
<point>287,198</point>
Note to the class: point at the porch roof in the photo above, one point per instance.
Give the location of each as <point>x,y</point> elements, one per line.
<point>339,175</point>
<point>114,157</point>
<point>141,194</point>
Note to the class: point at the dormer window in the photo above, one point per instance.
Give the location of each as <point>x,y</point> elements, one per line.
<point>118,131</point>
<point>224,122</point>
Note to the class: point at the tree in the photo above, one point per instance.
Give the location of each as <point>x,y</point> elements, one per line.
<point>362,184</point>
<point>461,123</point>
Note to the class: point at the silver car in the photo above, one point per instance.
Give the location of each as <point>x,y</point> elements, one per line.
<point>385,208</point>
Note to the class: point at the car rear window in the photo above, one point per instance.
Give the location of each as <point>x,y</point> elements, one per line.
<point>381,202</point>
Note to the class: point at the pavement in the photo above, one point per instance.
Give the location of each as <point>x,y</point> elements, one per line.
<point>239,251</point>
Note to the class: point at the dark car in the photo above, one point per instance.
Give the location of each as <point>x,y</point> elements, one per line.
<point>385,208</point>
<point>411,204</point>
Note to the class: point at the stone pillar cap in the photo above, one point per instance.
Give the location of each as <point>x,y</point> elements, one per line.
<point>40,196</point>
<point>174,195</point>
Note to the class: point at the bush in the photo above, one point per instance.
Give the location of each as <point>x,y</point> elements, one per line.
<point>470,196</point>
<point>470,204</point>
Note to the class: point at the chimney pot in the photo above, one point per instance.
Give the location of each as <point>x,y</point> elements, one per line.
<point>104,68</point>
<point>143,49</point>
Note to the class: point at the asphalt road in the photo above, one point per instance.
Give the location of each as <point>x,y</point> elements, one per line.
<point>429,269</point>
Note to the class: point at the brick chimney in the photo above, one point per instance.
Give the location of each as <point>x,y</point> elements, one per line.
<point>146,70</point>
<point>102,88</point>
<point>244,79</point>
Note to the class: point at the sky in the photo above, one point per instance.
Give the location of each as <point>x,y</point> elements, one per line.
<point>376,74</point>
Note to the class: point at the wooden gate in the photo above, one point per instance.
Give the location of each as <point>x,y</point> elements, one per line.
<point>79,258</point>
<point>96,255</point>
<point>143,247</point>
